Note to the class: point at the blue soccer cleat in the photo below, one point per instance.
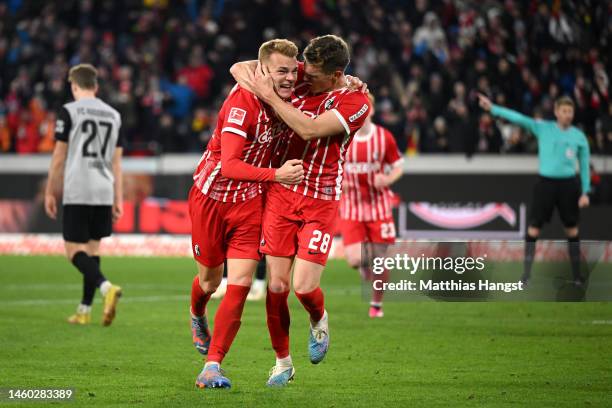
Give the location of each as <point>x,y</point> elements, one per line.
<point>200,334</point>
<point>318,342</point>
<point>280,376</point>
<point>212,377</point>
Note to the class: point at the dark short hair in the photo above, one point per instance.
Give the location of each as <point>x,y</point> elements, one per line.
<point>85,76</point>
<point>564,100</point>
<point>328,52</point>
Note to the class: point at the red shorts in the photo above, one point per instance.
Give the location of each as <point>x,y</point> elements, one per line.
<point>378,232</point>
<point>224,230</point>
<point>295,224</point>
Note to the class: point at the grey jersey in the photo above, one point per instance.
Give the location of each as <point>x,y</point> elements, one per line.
<point>92,130</point>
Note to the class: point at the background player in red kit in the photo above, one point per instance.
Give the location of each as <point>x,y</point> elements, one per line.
<point>373,163</point>
<point>298,220</point>
<point>225,205</point>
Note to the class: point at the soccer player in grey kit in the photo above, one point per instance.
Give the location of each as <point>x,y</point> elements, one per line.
<point>87,161</point>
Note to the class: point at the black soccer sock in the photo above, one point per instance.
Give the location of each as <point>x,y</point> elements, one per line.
<point>260,274</point>
<point>530,247</point>
<point>97,259</point>
<point>573,248</point>
<point>92,277</point>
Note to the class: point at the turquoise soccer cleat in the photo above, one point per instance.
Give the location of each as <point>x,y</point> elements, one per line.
<point>280,376</point>
<point>212,377</point>
<point>318,342</point>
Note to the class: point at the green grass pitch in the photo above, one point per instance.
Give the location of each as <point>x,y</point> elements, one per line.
<point>421,354</point>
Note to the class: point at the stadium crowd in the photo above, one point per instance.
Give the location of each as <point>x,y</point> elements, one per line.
<point>164,64</point>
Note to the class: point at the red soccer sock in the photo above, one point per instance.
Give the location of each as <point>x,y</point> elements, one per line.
<point>199,299</point>
<point>377,295</point>
<point>313,302</point>
<point>227,321</point>
<point>277,311</point>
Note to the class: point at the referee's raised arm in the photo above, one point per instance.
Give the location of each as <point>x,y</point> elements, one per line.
<point>510,115</point>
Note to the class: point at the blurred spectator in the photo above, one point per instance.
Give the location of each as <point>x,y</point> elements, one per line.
<point>423,59</point>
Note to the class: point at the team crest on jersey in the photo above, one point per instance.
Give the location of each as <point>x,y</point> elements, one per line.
<point>237,116</point>
<point>196,249</point>
<point>329,103</point>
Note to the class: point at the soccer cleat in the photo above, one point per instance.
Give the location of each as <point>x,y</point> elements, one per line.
<point>280,376</point>
<point>257,291</point>
<point>110,304</point>
<point>80,318</point>
<point>212,377</point>
<point>376,312</point>
<point>220,292</point>
<point>318,342</point>
<point>200,334</point>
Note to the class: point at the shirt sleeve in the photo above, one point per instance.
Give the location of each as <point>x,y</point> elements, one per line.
<point>352,110</point>
<point>393,157</point>
<point>584,157</point>
<point>515,117</point>
<point>232,165</point>
<point>240,118</point>
<point>63,124</point>
<point>239,113</point>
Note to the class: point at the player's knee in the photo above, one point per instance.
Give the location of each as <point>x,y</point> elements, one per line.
<point>209,287</point>
<point>571,232</point>
<point>533,231</point>
<point>278,285</point>
<point>304,287</point>
<point>354,261</point>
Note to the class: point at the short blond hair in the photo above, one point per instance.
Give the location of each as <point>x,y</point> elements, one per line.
<point>85,76</point>
<point>278,45</point>
<point>564,100</point>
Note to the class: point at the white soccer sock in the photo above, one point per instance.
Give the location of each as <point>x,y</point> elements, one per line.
<point>104,287</point>
<point>83,309</point>
<point>284,362</point>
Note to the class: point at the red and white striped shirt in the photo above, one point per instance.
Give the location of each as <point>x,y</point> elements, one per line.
<point>368,155</point>
<point>323,158</point>
<point>244,115</point>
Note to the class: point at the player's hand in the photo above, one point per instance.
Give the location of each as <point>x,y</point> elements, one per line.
<point>356,84</point>
<point>291,172</point>
<point>263,85</point>
<point>117,211</point>
<point>584,201</point>
<point>381,180</point>
<point>51,206</point>
<point>484,102</point>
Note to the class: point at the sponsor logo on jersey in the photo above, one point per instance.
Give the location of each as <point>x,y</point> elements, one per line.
<point>236,116</point>
<point>329,103</point>
<point>362,167</point>
<point>359,113</point>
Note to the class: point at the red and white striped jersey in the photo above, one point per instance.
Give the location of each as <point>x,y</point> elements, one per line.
<point>323,158</point>
<point>244,115</point>
<point>368,155</point>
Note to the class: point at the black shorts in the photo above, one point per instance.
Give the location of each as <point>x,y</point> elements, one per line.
<point>82,223</point>
<point>549,193</point>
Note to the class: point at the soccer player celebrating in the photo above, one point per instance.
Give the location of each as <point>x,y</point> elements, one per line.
<point>87,160</point>
<point>298,220</point>
<point>225,205</point>
<point>373,163</point>
<point>559,146</point>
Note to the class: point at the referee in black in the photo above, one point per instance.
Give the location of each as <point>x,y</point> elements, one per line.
<point>560,146</point>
